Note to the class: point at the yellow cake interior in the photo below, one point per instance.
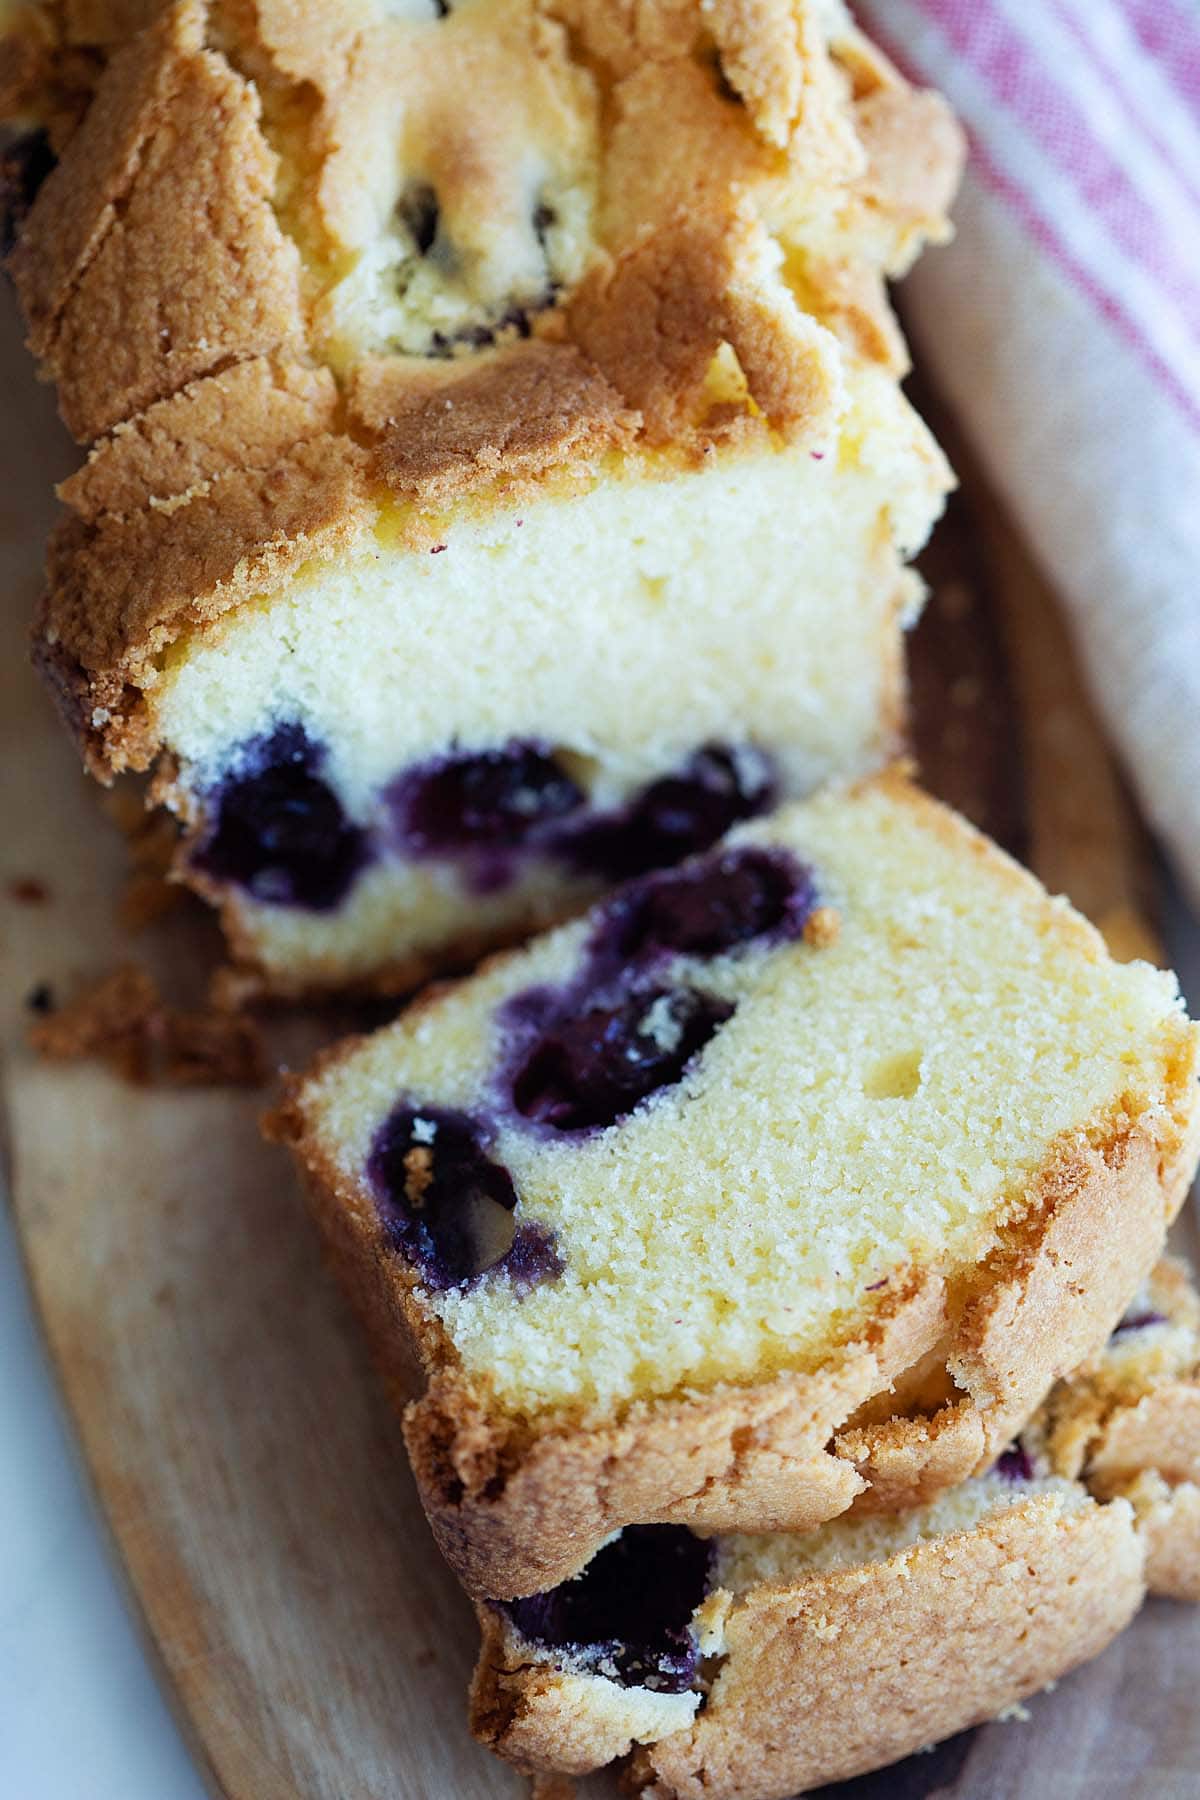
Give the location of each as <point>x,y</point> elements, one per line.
<point>879,1102</point>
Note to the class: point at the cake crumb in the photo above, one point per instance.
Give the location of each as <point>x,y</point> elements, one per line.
<point>1014,1714</point>
<point>822,927</point>
<point>418,1175</point>
<point>27,890</point>
<point>122,1020</point>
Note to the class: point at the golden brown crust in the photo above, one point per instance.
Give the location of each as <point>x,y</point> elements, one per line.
<point>246,418</point>
<point>164,570</point>
<point>517,1507</point>
<point>842,1672</point>
<point>156,223</point>
<point>515,416</point>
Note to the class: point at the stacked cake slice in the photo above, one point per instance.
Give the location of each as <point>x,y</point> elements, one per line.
<point>783,1185</point>
<point>980,1597</point>
<point>495,521</point>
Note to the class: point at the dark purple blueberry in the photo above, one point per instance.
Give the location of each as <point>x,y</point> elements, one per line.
<point>514,318</point>
<point>25,162</point>
<point>544,219</point>
<point>483,805</point>
<point>709,907</point>
<point>592,1064</point>
<point>1014,1464</point>
<point>533,1258</point>
<point>418,210</point>
<point>1137,1321</point>
<point>629,1614</point>
<point>279,830</point>
<point>447,1206</point>
<point>673,817</point>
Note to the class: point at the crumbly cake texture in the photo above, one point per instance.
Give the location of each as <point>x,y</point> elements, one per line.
<point>838,1652</point>
<point>590,385</point>
<point>959,1154</point>
<point>124,1021</point>
<point>1129,1424</point>
<point>801,1640</point>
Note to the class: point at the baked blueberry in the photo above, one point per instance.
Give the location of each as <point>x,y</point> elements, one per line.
<point>1014,1464</point>
<point>629,1614</point>
<point>593,1061</point>
<point>710,906</point>
<point>533,1258</point>
<point>25,162</point>
<point>1137,1321</point>
<point>418,210</point>
<point>481,807</point>
<point>280,831</point>
<point>675,816</point>
<point>446,1204</point>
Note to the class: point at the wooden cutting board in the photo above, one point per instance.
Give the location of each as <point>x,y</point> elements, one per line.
<point>253,1483</point>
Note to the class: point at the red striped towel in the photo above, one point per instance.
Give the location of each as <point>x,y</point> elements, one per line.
<point>1064,322</point>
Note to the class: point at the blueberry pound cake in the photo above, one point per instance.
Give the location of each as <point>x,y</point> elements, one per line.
<point>754,1667</point>
<point>499,481</point>
<point>793,1175</point>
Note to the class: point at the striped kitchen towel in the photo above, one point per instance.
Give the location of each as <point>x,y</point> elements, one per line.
<point>1064,325</point>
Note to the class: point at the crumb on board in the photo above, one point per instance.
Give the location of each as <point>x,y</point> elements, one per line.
<point>123,1021</point>
<point>28,890</point>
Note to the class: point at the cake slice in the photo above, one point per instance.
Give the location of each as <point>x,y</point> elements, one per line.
<point>754,1667</point>
<point>500,480</point>
<point>681,1212</point>
<point>1130,1425</point>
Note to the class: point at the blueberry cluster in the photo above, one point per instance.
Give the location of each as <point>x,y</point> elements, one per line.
<point>25,162</point>
<point>280,831</point>
<point>585,1055</point>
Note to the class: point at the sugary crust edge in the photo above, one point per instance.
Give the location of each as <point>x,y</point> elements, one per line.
<point>516,1508</point>
<point>977,1621</point>
<point>1168,1519</point>
<point>808,1691</point>
<point>1134,1432</point>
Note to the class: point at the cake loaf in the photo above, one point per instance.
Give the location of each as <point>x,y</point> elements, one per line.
<point>795,1175</point>
<point>751,1668</point>
<point>500,482</point>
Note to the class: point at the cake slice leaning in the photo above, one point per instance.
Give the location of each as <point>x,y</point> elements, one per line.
<point>751,1668</point>
<point>500,481</point>
<point>756,1668</point>
<point>1130,1425</point>
<point>677,1215</point>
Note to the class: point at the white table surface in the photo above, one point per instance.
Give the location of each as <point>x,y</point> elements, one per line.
<point>81,1715</point>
